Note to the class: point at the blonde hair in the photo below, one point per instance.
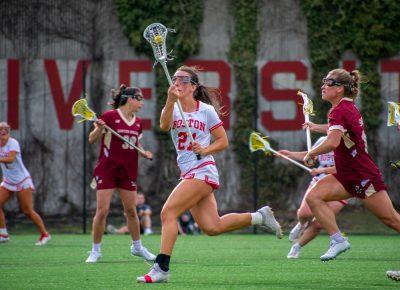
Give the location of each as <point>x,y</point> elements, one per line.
<point>350,80</point>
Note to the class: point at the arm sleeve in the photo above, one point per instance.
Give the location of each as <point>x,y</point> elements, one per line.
<point>337,120</point>
<point>213,119</point>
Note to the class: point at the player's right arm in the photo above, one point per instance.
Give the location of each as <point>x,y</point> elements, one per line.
<point>10,158</point>
<point>96,133</point>
<point>168,110</point>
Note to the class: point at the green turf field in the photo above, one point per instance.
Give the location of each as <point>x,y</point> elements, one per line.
<point>230,261</point>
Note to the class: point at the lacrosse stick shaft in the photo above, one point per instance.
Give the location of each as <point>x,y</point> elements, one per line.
<point>164,66</point>
<point>290,160</point>
<point>124,139</point>
<point>308,133</point>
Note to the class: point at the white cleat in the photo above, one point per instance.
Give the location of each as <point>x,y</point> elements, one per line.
<point>295,233</point>
<point>156,275</point>
<point>93,257</point>
<point>394,275</point>
<point>43,239</point>
<point>144,253</point>
<point>269,221</point>
<point>294,252</point>
<point>335,249</point>
<point>147,231</point>
<point>4,238</point>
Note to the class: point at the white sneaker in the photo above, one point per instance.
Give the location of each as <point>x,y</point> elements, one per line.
<point>93,257</point>
<point>335,249</point>
<point>394,275</point>
<point>156,275</point>
<point>4,238</point>
<point>144,253</point>
<point>43,239</point>
<point>147,232</point>
<point>294,252</point>
<point>269,221</point>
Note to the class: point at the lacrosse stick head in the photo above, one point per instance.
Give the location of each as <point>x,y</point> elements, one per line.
<point>259,142</point>
<point>308,108</point>
<point>393,114</point>
<point>156,35</point>
<point>81,109</point>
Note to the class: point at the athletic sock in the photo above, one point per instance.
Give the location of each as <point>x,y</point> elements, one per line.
<point>163,262</point>
<point>337,237</point>
<point>96,247</point>
<point>3,231</point>
<point>137,245</point>
<point>297,246</point>
<point>256,218</point>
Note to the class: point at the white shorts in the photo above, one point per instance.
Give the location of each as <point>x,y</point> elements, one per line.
<point>24,184</point>
<point>206,171</point>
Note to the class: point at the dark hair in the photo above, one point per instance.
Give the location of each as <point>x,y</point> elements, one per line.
<point>350,80</point>
<point>208,95</point>
<point>120,97</point>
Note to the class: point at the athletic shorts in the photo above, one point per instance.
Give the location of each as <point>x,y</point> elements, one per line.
<point>361,188</point>
<point>16,187</point>
<point>109,176</point>
<point>206,171</point>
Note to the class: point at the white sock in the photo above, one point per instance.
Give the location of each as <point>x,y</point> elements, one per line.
<point>297,246</point>
<point>3,231</point>
<point>256,218</point>
<point>96,247</point>
<point>137,245</point>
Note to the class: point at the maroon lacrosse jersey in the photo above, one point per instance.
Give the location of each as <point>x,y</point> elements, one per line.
<point>117,165</point>
<point>356,170</point>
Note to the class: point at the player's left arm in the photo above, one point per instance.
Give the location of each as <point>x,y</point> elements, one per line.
<point>220,143</point>
<point>10,158</point>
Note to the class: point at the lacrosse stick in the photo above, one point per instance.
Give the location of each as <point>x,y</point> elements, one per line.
<point>307,111</point>
<point>393,114</point>
<point>80,108</point>
<point>258,142</point>
<point>156,35</point>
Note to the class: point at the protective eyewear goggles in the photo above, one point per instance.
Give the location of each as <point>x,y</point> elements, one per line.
<point>5,129</point>
<point>137,97</point>
<point>182,79</point>
<point>331,82</point>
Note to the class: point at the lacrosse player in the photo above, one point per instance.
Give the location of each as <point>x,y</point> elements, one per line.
<point>16,178</point>
<point>308,228</point>
<point>199,177</point>
<point>117,167</point>
<point>356,173</point>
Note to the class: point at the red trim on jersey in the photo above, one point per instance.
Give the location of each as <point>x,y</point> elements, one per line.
<point>199,166</point>
<point>197,105</point>
<point>344,202</point>
<point>16,184</point>
<point>216,126</point>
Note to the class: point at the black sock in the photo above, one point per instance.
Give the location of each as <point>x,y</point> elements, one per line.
<point>163,262</point>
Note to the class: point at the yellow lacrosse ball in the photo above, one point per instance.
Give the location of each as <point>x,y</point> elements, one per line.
<point>157,39</point>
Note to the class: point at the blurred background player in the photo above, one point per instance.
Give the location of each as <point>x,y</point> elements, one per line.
<point>307,227</point>
<point>117,166</point>
<point>144,213</point>
<point>16,178</point>
<point>356,173</point>
<point>199,177</point>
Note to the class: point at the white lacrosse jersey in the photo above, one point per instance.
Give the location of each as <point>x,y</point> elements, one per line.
<point>324,160</point>
<point>201,123</point>
<point>15,172</point>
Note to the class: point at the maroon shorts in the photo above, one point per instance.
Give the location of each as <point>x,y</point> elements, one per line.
<point>107,176</point>
<point>361,188</point>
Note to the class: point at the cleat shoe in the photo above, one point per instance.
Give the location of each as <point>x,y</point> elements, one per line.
<point>147,232</point>
<point>4,238</point>
<point>295,233</point>
<point>156,275</point>
<point>144,253</point>
<point>394,275</point>
<point>43,239</point>
<point>269,221</point>
<point>294,252</point>
<point>93,257</point>
<point>335,249</point>
<point>395,164</point>
<point>111,229</point>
